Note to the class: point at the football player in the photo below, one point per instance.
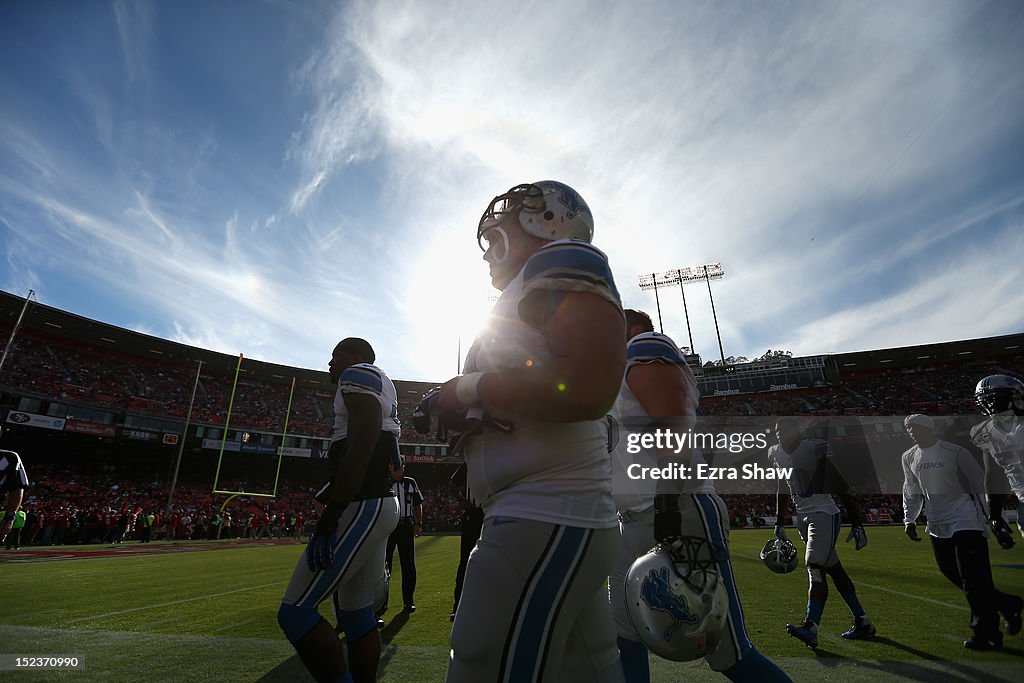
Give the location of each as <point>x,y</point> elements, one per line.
<point>548,361</point>
<point>946,480</point>
<point>658,384</point>
<point>1001,440</point>
<point>13,482</point>
<point>345,554</point>
<point>818,522</point>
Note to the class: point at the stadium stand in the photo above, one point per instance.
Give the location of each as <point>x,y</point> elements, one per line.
<point>98,412</point>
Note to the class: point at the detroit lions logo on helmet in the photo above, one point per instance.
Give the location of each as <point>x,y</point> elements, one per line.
<point>656,593</point>
<point>566,196</point>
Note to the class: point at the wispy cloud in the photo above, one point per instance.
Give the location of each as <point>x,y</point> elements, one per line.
<point>855,168</point>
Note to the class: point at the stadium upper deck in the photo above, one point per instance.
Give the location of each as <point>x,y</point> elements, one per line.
<point>72,374</point>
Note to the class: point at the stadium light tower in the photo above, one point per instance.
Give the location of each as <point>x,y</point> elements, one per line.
<point>17,325</point>
<point>681,276</point>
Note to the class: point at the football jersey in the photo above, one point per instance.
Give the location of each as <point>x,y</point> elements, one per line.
<point>12,472</point>
<point>363,378</point>
<point>809,461</point>
<point>948,482</point>
<point>636,495</point>
<point>1003,441</point>
<point>555,472</point>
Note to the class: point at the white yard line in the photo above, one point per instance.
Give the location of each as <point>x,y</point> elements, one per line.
<point>173,602</point>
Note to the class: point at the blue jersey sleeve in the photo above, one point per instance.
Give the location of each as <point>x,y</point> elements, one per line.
<point>570,266</point>
<point>652,347</point>
<point>362,378</point>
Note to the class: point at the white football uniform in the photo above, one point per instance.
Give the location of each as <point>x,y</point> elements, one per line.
<point>364,378</point>
<point>948,483</point>
<point>533,604</point>
<point>557,472</point>
<point>807,485</point>
<point>636,495</point>
<point>1003,441</point>
<point>703,514</point>
<point>366,522</point>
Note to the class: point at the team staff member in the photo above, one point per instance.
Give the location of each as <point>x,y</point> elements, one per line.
<point>345,554</point>
<point>947,482</point>
<point>13,482</point>
<point>549,360</point>
<point>410,526</point>
<point>469,531</point>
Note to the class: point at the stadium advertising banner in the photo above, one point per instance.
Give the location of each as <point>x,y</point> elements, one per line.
<point>427,459</point>
<point>256,448</point>
<point>140,435</point>
<point>32,420</point>
<point>90,428</point>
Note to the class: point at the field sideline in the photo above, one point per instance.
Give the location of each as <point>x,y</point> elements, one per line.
<point>184,615</point>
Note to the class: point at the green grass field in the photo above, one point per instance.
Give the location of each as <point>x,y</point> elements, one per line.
<point>196,616</point>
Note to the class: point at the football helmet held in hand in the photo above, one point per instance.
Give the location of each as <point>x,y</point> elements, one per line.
<point>676,600</point>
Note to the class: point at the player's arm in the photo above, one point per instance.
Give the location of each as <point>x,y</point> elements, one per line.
<point>364,428</point>
<point>913,497</point>
<point>585,336</point>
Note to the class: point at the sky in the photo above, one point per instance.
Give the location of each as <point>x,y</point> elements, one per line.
<point>266,178</point>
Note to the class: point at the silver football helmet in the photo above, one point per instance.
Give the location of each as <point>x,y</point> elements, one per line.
<point>676,599</point>
<point>1000,394</point>
<point>779,555</point>
<point>547,209</point>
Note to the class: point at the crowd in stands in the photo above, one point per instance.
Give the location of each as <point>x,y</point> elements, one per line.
<point>106,505</point>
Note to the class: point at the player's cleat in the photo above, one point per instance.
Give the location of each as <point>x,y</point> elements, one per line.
<point>410,608</point>
<point>862,628</point>
<point>380,623</point>
<point>983,644</point>
<point>451,617</point>
<point>1013,619</point>
<point>806,632</point>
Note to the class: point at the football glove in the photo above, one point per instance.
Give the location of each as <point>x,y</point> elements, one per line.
<point>858,536</point>
<point>320,550</point>
<point>668,522</point>
<point>780,532</point>
<point>1001,530</point>
<point>421,415</point>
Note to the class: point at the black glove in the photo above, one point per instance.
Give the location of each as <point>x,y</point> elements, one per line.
<point>1001,530</point>
<point>668,522</point>
<point>421,415</point>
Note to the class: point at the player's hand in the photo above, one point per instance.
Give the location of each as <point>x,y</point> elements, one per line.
<point>424,411</point>
<point>1001,530</point>
<point>780,532</point>
<point>447,402</point>
<point>911,531</point>
<point>417,530</point>
<point>668,522</point>
<point>320,550</point>
<point>858,536</point>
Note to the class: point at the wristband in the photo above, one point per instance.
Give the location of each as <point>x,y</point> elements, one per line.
<point>466,388</point>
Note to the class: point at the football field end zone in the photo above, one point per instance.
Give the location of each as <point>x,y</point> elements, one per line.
<point>123,656</point>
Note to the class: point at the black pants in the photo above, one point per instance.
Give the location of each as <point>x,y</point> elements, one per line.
<point>402,538</point>
<point>14,538</point>
<point>472,525</point>
<point>963,559</point>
